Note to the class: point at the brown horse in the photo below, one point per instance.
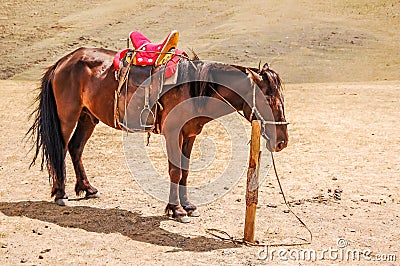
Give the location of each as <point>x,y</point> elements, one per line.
<point>78,91</point>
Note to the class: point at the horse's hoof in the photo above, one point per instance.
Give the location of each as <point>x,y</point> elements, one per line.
<point>61,202</point>
<point>183,219</point>
<point>194,213</point>
<point>92,196</point>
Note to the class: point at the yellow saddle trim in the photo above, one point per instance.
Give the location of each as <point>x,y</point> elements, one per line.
<point>171,43</point>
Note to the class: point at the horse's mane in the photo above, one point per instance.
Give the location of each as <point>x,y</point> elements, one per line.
<point>207,73</point>
<point>201,75</point>
<point>275,81</point>
<point>207,76</point>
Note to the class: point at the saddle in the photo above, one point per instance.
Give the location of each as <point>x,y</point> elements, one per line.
<point>134,66</point>
<point>146,53</point>
<point>149,53</point>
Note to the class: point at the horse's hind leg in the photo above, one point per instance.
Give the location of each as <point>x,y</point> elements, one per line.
<point>68,116</point>
<point>83,131</point>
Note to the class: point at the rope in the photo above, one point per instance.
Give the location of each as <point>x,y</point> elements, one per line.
<point>123,79</point>
<point>286,203</point>
<point>218,233</point>
<point>156,52</point>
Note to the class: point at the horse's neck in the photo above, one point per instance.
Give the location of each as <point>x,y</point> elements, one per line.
<point>234,87</point>
<point>230,97</point>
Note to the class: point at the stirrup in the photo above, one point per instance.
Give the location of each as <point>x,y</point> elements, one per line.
<point>144,115</point>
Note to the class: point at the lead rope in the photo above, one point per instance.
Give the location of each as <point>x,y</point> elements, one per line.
<point>253,109</point>
<point>215,232</point>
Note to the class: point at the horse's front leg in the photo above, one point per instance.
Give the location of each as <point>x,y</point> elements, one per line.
<point>189,207</point>
<point>174,205</point>
<point>174,146</point>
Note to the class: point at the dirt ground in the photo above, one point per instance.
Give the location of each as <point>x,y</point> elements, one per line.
<point>340,171</point>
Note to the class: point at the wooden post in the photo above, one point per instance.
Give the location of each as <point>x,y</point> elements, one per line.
<point>252,183</point>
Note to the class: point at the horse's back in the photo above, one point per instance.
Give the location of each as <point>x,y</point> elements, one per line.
<point>85,78</point>
<point>85,57</point>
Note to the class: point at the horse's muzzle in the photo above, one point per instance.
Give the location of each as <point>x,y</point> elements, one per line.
<point>276,146</point>
<point>280,145</point>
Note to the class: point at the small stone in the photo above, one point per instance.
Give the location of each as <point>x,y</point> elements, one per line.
<point>238,200</point>
<point>23,260</point>
<point>334,178</point>
<point>37,232</point>
<point>337,196</point>
<point>45,250</point>
<point>272,205</point>
<point>297,202</point>
<point>353,230</point>
<point>40,257</point>
<point>228,252</point>
<point>286,211</point>
<point>364,200</point>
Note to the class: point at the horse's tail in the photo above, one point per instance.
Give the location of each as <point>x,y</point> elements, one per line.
<point>46,130</point>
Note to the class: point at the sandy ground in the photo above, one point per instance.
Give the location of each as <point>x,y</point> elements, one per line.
<point>340,62</point>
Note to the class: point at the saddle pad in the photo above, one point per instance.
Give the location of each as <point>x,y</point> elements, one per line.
<point>140,75</point>
<point>118,57</point>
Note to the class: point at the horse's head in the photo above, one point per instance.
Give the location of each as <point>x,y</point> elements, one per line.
<point>267,105</point>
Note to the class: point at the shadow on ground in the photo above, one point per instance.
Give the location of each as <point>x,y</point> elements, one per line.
<point>133,225</point>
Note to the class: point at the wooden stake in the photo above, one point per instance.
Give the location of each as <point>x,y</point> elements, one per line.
<point>252,182</point>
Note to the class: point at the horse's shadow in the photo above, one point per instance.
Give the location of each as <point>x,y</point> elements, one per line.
<point>133,225</point>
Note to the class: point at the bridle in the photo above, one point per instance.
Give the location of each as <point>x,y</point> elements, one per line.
<point>254,110</point>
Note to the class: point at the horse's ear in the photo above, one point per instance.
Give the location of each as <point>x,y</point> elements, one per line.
<point>253,75</point>
<point>265,67</point>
